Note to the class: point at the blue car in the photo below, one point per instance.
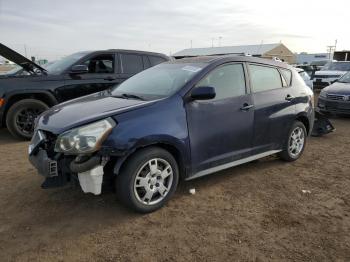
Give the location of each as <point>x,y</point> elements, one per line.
<point>178,120</point>
<point>336,97</point>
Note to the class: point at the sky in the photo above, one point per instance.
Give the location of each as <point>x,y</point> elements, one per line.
<point>52,29</point>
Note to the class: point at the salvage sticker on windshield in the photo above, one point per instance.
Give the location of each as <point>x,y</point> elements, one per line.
<point>192,69</point>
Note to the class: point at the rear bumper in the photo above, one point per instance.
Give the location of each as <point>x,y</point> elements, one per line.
<point>332,106</point>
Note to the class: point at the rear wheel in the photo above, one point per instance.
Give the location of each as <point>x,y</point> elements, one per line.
<point>148,180</point>
<point>295,144</point>
<point>21,115</point>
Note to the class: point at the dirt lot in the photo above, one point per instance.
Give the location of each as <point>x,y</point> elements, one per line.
<point>255,212</point>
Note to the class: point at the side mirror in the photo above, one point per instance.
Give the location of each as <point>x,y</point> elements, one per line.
<point>203,93</point>
<point>79,69</point>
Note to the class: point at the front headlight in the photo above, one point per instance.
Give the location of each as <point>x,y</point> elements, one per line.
<point>85,139</point>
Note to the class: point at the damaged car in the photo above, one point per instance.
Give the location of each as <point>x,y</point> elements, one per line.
<point>31,89</point>
<point>182,119</point>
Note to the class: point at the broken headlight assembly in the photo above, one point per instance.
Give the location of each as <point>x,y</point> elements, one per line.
<point>86,139</point>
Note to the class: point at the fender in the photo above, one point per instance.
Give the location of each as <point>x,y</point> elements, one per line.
<point>304,117</point>
<point>166,142</point>
<point>48,94</point>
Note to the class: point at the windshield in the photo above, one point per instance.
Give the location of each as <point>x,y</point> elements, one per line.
<point>345,78</point>
<point>60,65</point>
<point>159,81</point>
<point>337,66</point>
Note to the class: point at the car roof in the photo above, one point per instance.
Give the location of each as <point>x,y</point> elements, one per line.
<point>126,51</point>
<point>230,58</point>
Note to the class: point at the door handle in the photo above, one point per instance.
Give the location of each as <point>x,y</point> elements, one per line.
<point>246,107</point>
<point>110,78</point>
<point>289,98</point>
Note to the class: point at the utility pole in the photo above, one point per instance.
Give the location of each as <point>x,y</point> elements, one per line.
<point>191,44</point>
<point>25,50</point>
<point>330,49</point>
<point>212,42</point>
<point>220,38</point>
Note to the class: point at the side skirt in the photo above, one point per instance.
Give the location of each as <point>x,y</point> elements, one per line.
<point>232,164</point>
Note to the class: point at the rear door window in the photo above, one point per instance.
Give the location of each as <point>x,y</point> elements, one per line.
<point>131,63</point>
<point>264,78</point>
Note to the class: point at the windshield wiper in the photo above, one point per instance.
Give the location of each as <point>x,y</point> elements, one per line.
<point>129,96</point>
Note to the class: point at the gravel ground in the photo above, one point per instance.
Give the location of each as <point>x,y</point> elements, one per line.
<point>255,212</point>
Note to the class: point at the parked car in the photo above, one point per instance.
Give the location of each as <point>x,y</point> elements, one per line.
<point>24,97</point>
<point>181,119</point>
<point>336,97</point>
<point>305,76</point>
<point>331,72</point>
<point>310,70</point>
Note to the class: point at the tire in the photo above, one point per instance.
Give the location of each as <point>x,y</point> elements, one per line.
<point>136,181</point>
<point>293,152</point>
<point>21,115</point>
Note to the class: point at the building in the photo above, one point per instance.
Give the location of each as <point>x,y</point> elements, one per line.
<point>342,55</point>
<point>309,59</point>
<point>270,51</point>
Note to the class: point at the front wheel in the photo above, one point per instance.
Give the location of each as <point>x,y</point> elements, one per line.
<point>295,144</point>
<point>148,179</point>
<point>21,115</point>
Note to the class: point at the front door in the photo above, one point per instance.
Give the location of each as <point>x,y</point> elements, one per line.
<point>220,129</point>
<point>102,75</point>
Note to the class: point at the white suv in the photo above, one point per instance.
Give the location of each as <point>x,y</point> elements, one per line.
<point>331,72</point>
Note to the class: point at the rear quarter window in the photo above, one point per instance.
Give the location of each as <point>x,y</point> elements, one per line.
<point>155,60</point>
<point>287,75</point>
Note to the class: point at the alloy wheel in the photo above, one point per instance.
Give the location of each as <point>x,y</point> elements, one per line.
<point>296,142</point>
<point>153,181</point>
<point>25,119</point>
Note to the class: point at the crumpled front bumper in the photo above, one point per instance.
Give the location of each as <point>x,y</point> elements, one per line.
<point>45,166</point>
<point>59,169</point>
<point>55,172</point>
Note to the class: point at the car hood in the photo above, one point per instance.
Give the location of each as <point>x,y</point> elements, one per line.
<point>330,73</point>
<point>84,110</point>
<point>20,60</point>
<point>338,88</point>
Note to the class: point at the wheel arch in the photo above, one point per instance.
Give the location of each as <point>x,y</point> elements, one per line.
<point>305,120</point>
<point>173,149</point>
<point>43,96</point>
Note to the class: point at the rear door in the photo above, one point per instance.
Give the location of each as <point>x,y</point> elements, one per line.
<point>221,129</point>
<point>102,75</point>
<point>274,106</point>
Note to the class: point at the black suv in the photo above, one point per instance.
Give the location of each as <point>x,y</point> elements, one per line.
<point>24,97</point>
